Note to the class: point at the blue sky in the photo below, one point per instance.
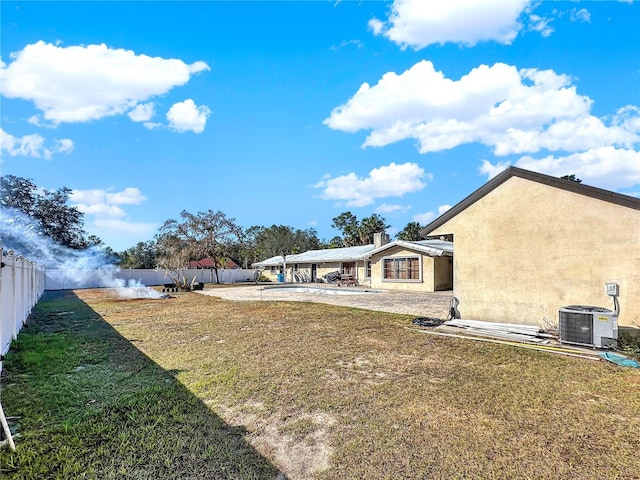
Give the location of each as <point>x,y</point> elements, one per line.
<point>289,113</point>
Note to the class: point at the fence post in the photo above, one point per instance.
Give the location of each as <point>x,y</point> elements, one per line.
<point>11,262</point>
<point>20,310</point>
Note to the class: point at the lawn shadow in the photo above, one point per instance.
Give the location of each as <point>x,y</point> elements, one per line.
<point>86,403</point>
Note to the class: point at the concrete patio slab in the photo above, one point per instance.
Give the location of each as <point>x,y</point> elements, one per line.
<point>434,305</point>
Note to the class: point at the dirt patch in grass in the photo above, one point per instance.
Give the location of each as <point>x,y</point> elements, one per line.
<point>330,392</point>
<point>298,442</point>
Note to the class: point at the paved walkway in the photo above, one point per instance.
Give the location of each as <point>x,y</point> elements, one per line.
<point>434,305</point>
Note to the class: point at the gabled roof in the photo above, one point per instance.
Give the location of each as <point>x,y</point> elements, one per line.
<point>351,254</point>
<point>435,248</point>
<point>568,185</point>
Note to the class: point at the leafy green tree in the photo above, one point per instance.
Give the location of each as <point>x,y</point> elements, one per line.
<point>348,224</point>
<point>283,240</point>
<point>411,232</point>
<point>356,232</point>
<point>571,178</point>
<point>335,242</point>
<point>246,250</point>
<point>142,255</point>
<point>54,218</point>
<point>61,223</point>
<point>18,193</point>
<point>369,226</point>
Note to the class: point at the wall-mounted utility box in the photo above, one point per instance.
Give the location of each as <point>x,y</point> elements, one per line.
<point>612,289</point>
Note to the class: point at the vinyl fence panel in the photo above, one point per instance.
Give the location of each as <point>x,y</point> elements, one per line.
<point>57,279</point>
<point>21,285</point>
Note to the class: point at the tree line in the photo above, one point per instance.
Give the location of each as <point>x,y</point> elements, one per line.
<point>192,236</point>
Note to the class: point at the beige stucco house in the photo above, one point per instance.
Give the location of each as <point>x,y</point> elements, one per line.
<point>527,244</point>
<point>424,265</point>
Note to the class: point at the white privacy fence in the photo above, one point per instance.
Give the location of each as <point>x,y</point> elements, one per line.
<point>57,279</point>
<point>22,282</point>
<point>21,285</point>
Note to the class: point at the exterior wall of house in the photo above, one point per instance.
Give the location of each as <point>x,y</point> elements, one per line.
<point>526,249</point>
<point>363,279</point>
<point>360,275</point>
<point>271,273</point>
<point>443,273</point>
<point>324,268</point>
<point>431,278</point>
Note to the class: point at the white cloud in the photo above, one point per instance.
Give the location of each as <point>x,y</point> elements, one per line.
<point>143,112</point>
<point>187,116</point>
<point>491,170</point>
<point>389,209</point>
<point>63,145</point>
<point>198,67</point>
<point>104,205</point>
<point>32,146</point>
<point>443,208</point>
<point>25,146</point>
<point>512,111</point>
<point>582,15</point>
<point>540,24</point>
<point>387,181</point>
<point>347,43</point>
<point>424,218</point>
<point>121,234</point>
<point>128,196</point>
<point>115,225</point>
<point>419,23</point>
<point>101,210</point>
<point>605,167</point>
<point>83,83</point>
<point>108,219</point>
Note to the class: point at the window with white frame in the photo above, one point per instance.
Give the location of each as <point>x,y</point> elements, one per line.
<point>368,269</point>
<point>348,268</point>
<point>401,268</point>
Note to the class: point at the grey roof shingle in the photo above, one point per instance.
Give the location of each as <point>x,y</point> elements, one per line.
<point>350,254</point>
<point>344,254</point>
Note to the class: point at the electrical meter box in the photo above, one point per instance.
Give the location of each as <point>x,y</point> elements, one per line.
<point>612,289</point>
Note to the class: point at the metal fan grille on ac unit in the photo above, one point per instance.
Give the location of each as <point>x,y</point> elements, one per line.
<point>576,327</point>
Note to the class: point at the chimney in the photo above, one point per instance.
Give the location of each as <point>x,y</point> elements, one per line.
<point>380,239</point>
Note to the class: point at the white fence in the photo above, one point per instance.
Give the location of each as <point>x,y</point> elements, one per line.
<point>21,285</point>
<point>77,279</point>
<point>22,282</point>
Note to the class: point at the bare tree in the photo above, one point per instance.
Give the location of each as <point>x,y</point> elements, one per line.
<point>172,254</point>
<point>204,234</point>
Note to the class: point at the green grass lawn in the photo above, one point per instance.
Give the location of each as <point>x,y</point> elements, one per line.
<point>194,387</point>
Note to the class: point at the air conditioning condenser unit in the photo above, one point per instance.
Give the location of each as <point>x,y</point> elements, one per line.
<point>588,326</point>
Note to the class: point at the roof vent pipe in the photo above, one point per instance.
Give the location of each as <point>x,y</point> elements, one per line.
<point>380,239</point>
